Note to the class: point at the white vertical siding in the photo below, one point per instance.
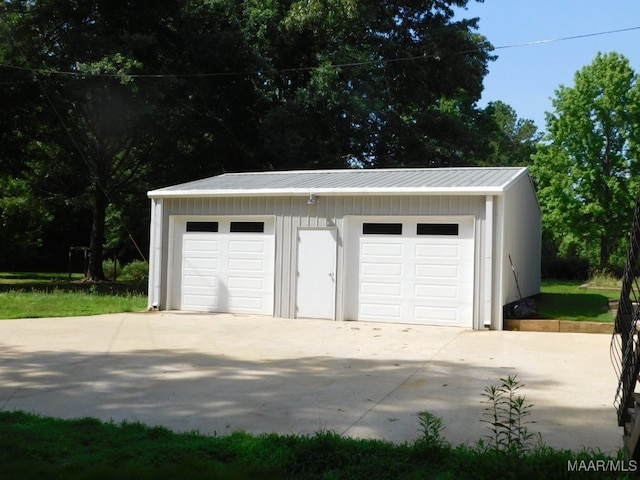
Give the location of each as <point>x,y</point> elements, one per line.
<point>522,239</point>
<point>294,212</point>
<point>155,255</point>
<point>499,286</point>
<point>486,298</point>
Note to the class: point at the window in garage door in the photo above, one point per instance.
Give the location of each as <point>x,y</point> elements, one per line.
<point>226,265</point>
<point>246,227</point>
<point>438,229</point>
<point>202,226</point>
<point>381,228</point>
<point>423,275</point>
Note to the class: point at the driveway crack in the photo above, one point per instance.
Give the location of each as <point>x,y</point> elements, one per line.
<point>397,387</point>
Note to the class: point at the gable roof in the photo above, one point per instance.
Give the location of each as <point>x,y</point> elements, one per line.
<point>451,181</point>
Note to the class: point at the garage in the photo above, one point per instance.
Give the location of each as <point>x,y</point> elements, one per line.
<point>427,246</point>
<point>223,265</point>
<point>414,270</point>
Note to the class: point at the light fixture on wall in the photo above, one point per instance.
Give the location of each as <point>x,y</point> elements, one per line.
<point>312,199</point>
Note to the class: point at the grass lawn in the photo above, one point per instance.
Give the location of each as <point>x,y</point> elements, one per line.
<point>565,300</point>
<point>39,447</point>
<point>37,295</point>
<point>60,303</point>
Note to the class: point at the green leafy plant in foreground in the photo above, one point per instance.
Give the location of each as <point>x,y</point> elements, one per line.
<point>431,427</point>
<point>506,417</point>
<point>509,451</point>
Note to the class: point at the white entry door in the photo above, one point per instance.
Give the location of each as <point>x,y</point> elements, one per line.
<point>316,283</point>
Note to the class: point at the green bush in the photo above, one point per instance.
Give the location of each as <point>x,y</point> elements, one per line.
<point>136,270</point>
<point>112,270</point>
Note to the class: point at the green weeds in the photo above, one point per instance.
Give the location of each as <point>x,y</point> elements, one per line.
<point>431,427</point>
<point>603,278</point>
<point>507,418</point>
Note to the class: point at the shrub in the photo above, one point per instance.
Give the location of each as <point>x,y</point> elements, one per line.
<point>112,270</point>
<point>136,270</point>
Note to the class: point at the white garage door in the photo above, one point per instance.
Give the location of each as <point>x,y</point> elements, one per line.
<point>224,265</point>
<point>416,271</point>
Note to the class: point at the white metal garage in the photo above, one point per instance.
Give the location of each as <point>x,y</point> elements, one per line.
<point>423,246</point>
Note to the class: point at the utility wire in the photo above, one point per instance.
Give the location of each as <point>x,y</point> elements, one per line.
<point>562,39</point>
<point>303,69</point>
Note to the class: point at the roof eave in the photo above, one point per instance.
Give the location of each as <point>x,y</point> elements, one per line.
<point>284,192</point>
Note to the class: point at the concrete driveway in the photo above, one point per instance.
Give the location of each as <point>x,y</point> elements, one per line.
<point>220,373</point>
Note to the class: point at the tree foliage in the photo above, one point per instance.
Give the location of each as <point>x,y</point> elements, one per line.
<point>105,100</point>
<point>96,135</point>
<point>587,167</point>
<point>511,140</point>
<point>369,83</point>
<point>93,121</point>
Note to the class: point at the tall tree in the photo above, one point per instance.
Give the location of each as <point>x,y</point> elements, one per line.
<point>93,117</point>
<point>373,83</point>
<point>511,140</point>
<point>97,128</point>
<point>587,167</point>
<point>213,106</point>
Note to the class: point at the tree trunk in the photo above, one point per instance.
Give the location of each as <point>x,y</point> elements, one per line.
<point>95,272</point>
<point>605,251</point>
<point>608,237</point>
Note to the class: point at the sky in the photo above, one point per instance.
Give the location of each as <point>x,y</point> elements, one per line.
<point>526,77</point>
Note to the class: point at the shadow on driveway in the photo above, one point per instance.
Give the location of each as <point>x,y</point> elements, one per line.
<point>287,376</point>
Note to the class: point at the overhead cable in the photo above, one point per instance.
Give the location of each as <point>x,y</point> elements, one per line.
<point>302,69</point>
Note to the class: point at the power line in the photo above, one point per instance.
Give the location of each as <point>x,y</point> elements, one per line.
<point>562,39</point>
<point>308,68</point>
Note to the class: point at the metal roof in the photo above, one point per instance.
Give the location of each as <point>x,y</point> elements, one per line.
<point>452,181</point>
